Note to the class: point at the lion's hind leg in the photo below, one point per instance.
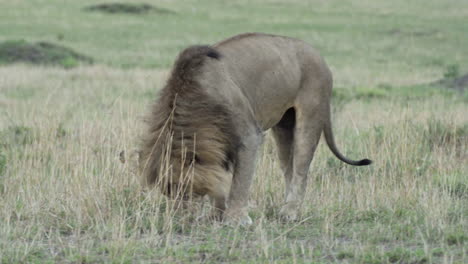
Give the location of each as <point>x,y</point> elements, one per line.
<point>283,133</point>
<point>307,131</point>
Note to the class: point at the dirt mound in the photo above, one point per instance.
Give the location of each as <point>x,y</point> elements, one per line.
<point>459,83</point>
<point>126,8</point>
<point>40,53</point>
<point>453,79</point>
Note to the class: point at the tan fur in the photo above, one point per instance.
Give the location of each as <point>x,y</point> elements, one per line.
<point>207,124</point>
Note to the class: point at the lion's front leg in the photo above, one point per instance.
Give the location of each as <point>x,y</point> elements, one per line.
<point>237,212</point>
<point>218,207</point>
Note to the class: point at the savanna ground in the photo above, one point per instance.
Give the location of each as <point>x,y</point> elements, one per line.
<point>66,196</point>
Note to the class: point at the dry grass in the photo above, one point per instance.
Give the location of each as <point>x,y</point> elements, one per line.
<point>67,197</point>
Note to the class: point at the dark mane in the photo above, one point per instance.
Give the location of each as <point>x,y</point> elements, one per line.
<point>188,64</point>
<point>189,121</point>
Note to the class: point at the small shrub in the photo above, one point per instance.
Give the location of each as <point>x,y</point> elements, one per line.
<point>452,72</point>
<point>370,257</point>
<point>69,62</point>
<point>3,162</point>
<point>345,255</point>
<point>439,134</point>
<point>453,79</point>
<point>455,184</point>
<point>398,255</point>
<point>61,131</point>
<point>370,93</point>
<point>16,135</point>
<point>456,239</point>
<point>438,252</point>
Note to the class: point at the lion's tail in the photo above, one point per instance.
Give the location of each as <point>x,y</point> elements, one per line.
<point>327,130</point>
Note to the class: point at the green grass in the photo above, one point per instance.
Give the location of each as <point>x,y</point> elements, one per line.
<point>391,39</point>
<point>65,196</point>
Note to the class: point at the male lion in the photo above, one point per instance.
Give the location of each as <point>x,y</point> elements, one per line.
<point>207,125</point>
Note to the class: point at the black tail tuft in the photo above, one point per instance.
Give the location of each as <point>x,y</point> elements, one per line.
<point>364,162</point>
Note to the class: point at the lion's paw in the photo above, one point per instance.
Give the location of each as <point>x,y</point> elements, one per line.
<point>237,218</point>
<point>289,212</point>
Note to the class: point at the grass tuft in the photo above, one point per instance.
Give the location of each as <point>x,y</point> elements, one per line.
<point>345,255</point>
<point>458,238</point>
<point>16,136</point>
<point>441,134</point>
<point>452,72</point>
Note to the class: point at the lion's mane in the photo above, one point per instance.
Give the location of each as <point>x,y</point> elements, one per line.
<point>191,138</point>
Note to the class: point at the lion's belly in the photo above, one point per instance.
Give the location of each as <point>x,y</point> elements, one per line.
<point>270,107</point>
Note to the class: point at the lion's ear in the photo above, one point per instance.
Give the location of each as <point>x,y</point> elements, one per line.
<point>194,159</point>
<point>197,159</point>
